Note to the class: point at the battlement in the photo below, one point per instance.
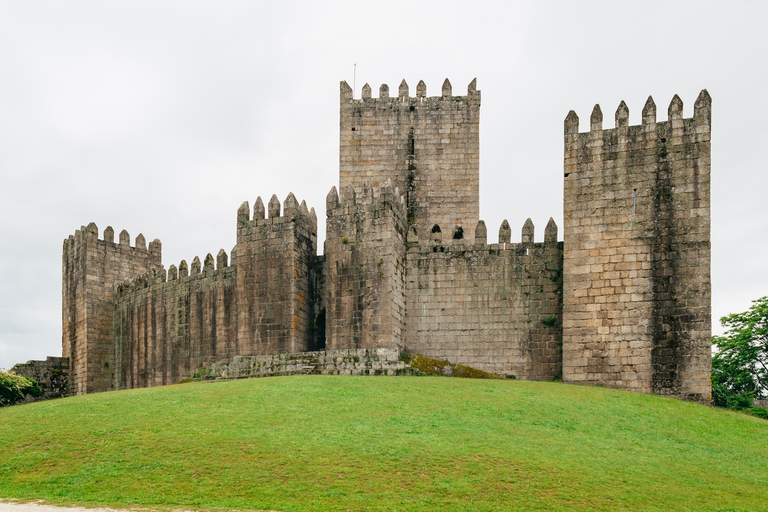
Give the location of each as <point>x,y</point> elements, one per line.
<point>445,100</point>
<point>625,138</point>
<point>369,199</point>
<point>91,233</point>
<point>454,238</point>
<point>292,212</point>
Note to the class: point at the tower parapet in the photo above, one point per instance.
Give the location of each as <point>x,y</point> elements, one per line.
<point>637,286</point>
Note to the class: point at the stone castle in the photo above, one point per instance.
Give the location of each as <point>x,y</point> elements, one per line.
<point>623,301</point>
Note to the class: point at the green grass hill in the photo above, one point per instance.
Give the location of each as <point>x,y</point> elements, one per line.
<point>383,443</point>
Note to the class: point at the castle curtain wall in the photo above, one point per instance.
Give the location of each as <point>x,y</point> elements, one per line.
<point>495,307</point>
<point>163,331</point>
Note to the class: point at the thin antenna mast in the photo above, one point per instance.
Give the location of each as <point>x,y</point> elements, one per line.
<point>354,79</point>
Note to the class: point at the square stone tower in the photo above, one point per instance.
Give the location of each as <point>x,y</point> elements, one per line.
<point>428,147</point>
<point>636,281</point>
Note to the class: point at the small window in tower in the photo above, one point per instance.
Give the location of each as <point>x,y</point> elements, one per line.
<point>634,202</point>
<point>458,233</point>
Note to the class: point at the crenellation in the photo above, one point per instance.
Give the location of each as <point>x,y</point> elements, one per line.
<point>622,115</point>
<point>258,209</point>
<point>421,89</point>
<point>527,233</point>
<point>244,212</point>
<point>447,89</point>
<point>481,233</point>
<point>596,119</point>
<point>208,264</point>
<point>402,91</point>
<point>221,260</point>
<point>505,233</point>
<point>274,206</point>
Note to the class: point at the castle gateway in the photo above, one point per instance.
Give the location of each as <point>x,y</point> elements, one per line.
<point>623,301</point>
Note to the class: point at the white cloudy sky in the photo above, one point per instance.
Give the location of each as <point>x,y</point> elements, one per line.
<point>161,117</point>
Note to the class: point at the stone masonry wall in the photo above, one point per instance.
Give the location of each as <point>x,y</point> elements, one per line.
<point>637,286</point>
<point>90,269</point>
<point>495,307</point>
<point>52,375</point>
<point>428,147</point>
<point>163,330</point>
<point>380,361</point>
<point>364,268</point>
<point>276,295</point>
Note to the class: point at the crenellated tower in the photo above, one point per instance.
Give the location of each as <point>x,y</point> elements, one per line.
<point>427,147</point>
<point>637,287</point>
<point>365,268</point>
<point>91,268</point>
<point>276,258</point>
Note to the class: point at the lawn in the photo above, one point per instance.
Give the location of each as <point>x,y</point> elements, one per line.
<point>383,443</point>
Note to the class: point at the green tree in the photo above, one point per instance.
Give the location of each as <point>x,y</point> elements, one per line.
<point>740,366</point>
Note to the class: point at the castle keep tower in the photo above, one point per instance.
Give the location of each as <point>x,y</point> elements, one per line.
<point>427,146</point>
<point>637,293</point>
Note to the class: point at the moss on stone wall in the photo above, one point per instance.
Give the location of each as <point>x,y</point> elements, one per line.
<point>428,366</point>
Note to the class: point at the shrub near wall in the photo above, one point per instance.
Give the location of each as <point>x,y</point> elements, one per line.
<point>15,388</point>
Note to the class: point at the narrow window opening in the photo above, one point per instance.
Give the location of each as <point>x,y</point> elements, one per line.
<point>634,202</point>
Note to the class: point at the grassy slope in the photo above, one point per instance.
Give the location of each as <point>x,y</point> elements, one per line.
<point>359,443</point>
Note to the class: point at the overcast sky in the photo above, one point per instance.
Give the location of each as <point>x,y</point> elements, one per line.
<point>162,117</point>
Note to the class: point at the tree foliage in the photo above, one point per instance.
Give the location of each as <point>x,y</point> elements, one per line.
<point>14,388</point>
<point>740,366</point>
